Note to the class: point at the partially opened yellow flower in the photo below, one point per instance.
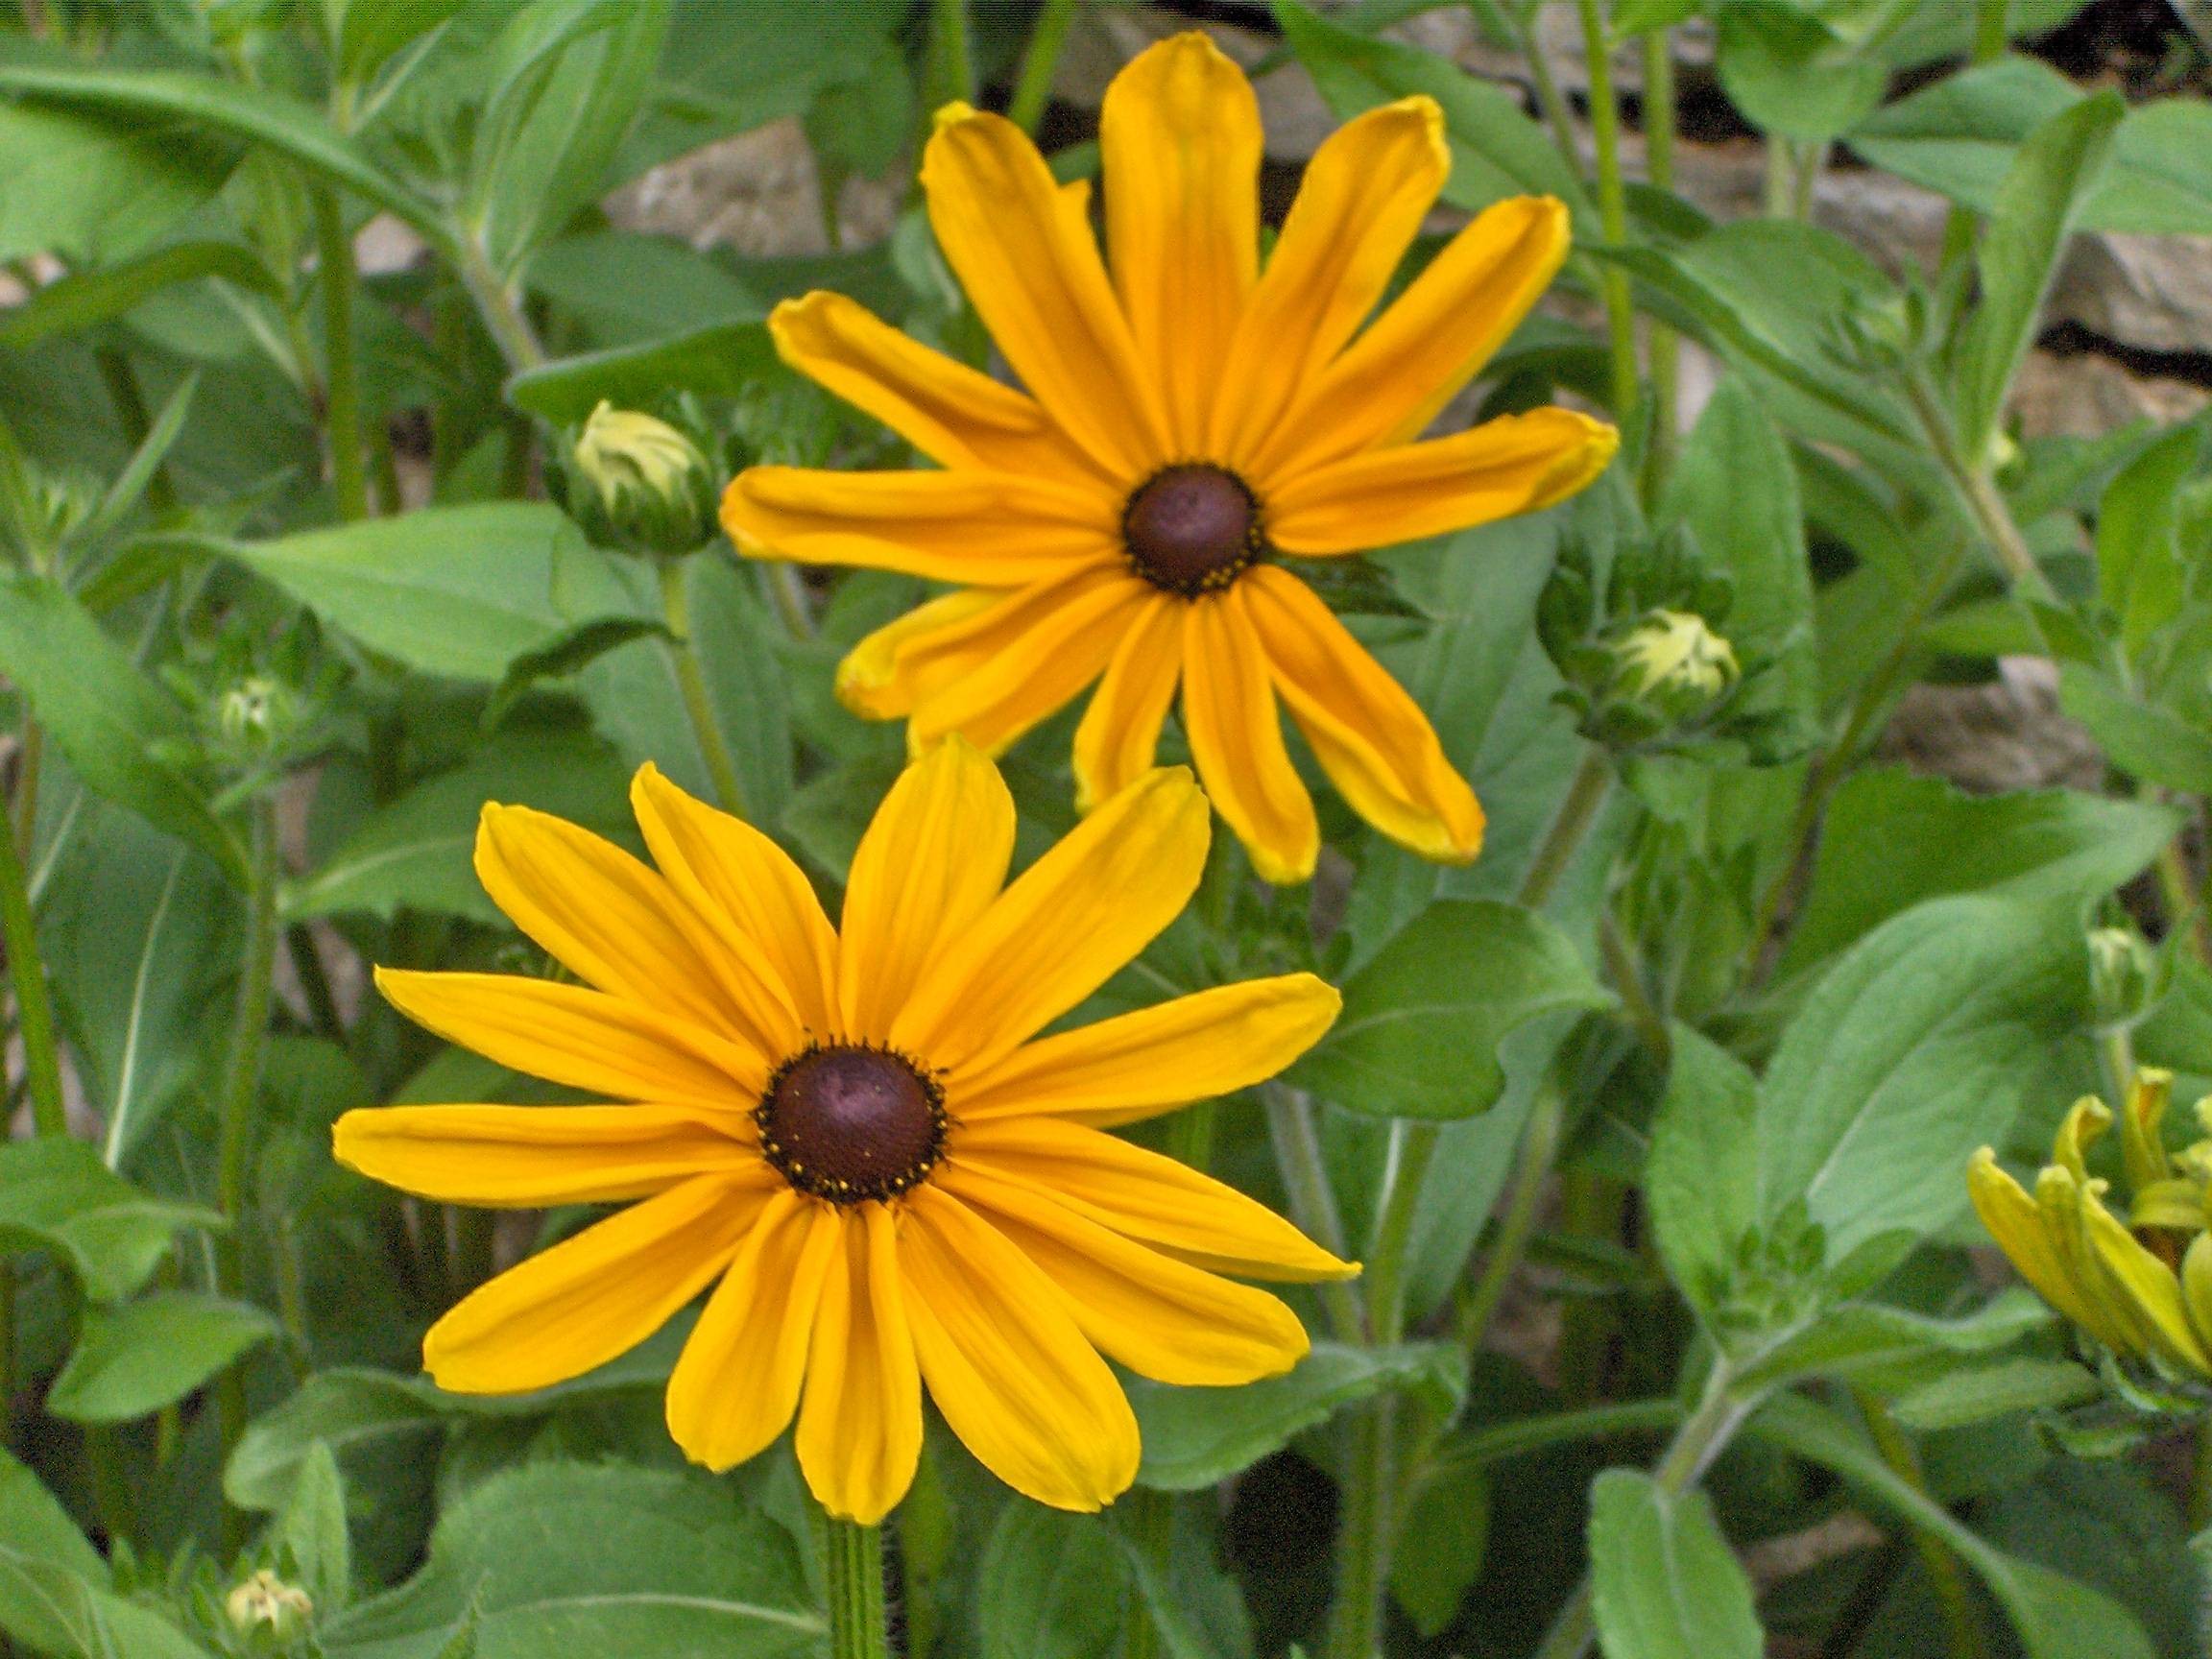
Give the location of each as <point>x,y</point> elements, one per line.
<point>856,1138</point>
<point>1187,416</point>
<point>2091,1267</point>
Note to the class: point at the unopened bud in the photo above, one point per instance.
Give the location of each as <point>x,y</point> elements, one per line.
<point>2122,978</point>
<point>251,713</point>
<point>266,1603</point>
<point>640,483</point>
<point>1675,657</point>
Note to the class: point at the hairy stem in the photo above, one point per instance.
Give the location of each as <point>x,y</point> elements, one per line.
<point>1991,28</point>
<point>1297,1143</point>
<point>33,1004</point>
<point>1577,812</point>
<point>1611,203</point>
<point>1662,345</point>
<point>852,1568</point>
<point>1517,1221</point>
<point>342,369</point>
<point>698,706</point>
<point>1952,1592</point>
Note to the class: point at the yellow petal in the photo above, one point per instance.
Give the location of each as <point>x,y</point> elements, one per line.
<point>981,529</point>
<point>584,1038</point>
<point>1008,1366</point>
<point>992,679</point>
<point>990,671</point>
<point>1388,384</point>
<point>2023,1232</point>
<point>529,1157</point>
<point>2142,1127</point>
<point>877,679</point>
<point>594,1296</point>
<point>746,888</point>
<point>1067,925</point>
<point>1138,1065</point>
<point>1371,737</point>
<point>737,1382</point>
<point>2084,1124</point>
<point>615,923</point>
<point>1514,464</point>
<point>2140,1286</point>
<point>1022,249</point>
<point>1148,1197</point>
<point>1120,734</point>
<point>860,1424</point>
<point>1160,1317</point>
<point>2197,1289</point>
<point>953,415</point>
<point>928,869</point>
<point>1179,142</point>
<point>1237,739</point>
<point>1358,207</point>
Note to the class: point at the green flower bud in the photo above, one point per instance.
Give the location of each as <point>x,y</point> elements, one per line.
<point>2123,977</point>
<point>1673,659</point>
<point>266,1603</point>
<point>252,714</point>
<point>640,483</point>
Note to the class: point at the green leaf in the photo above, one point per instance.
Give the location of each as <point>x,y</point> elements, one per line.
<point>1960,137</point>
<point>1050,1586</point>
<point>1790,73</point>
<point>54,1591</point>
<point>460,592</point>
<point>1497,150</point>
<point>138,932</point>
<point>721,360</point>
<point>282,122</point>
<point>1443,1535</point>
<point>2034,214</point>
<point>37,1528</point>
<point>1891,841</point>
<point>1918,1045</point>
<point>95,191</point>
<point>1864,1336</point>
<point>1737,491</point>
<point>1421,1022</point>
<point>1198,1437</point>
<point>79,301</point>
<point>2149,743</point>
<point>2141,575</point>
<point>312,1531</point>
<point>133,1359</point>
<point>1663,1581</point>
<point>343,1412</point>
<point>418,852</point>
<point>109,718</point>
<point>55,1195</point>
<point>1701,1179</point>
<point>2055,1617</point>
<point>1979,1393</point>
<point>560,1557</point>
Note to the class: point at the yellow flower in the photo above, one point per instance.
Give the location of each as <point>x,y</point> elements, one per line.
<point>1187,416</point>
<point>2090,1266</point>
<point>856,1138</point>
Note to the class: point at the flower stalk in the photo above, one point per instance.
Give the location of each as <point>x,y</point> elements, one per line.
<point>691,681</point>
<point>852,1571</point>
<point>342,369</point>
<point>1661,345</point>
<point>1040,62</point>
<point>1611,203</point>
<point>33,1003</point>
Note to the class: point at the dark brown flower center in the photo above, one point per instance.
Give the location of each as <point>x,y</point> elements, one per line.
<point>1191,528</point>
<point>852,1122</point>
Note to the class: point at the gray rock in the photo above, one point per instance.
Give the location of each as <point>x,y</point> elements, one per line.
<point>2152,292</point>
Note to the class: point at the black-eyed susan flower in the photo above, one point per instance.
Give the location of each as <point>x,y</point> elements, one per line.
<point>1187,417</point>
<point>857,1139</point>
<point>2141,1287</point>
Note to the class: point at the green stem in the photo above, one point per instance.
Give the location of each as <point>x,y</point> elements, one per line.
<point>241,1086</point>
<point>1628,980</point>
<point>1033,90</point>
<point>1517,1224</point>
<point>1703,1433</point>
<point>1951,1593</point>
<point>1611,203</point>
<point>1577,810</point>
<point>2200,1479</point>
<point>1983,501</point>
<point>1153,1527</point>
<point>1549,99</point>
<point>342,369</point>
<point>1991,30</point>
<point>953,61</point>
<point>676,611</point>
<point>1662,345</point>
<point>1297,1143</point>
<point>853,1569</point>
<point>1413,1147</point>
<point>1364,1533</point>
<point>129,403</point>
<point>2178,891</point>
<point>788,593</point>
<point>497,303</point>
<point>7,1357</point>
<point>34,1005</point>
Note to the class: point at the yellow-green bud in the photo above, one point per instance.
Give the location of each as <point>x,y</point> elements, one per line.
<point>2122,976</point>
<point>250,711</point>
<point>642,484</point>
<point>266,1603</point>
<point>1674,655</point>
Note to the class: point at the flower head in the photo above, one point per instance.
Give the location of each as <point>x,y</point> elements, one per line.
<point>2143,1287</point>
<point>1187,417</point>
<point>1675,655</point>
<point>643,483</point>
<point>264,1601</point>
<point>855,1136</point>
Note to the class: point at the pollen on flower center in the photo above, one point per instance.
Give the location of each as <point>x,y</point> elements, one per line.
<point>1191,528</point>
<point>849,1122</point>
